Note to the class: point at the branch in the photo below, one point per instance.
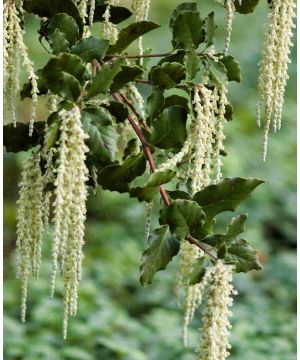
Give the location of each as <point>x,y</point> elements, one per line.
<point>137,56</point>
<point>150,159</point>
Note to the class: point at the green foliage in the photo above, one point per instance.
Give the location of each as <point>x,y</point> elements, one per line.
<point>90,48</point>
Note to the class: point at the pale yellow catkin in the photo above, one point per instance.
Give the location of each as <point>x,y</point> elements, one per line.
<point>110,31</point>
<point>29,225</point>
<point>141,10</point>
<point>229,6</point>
<point>69,208</point>
<point>273,67</point>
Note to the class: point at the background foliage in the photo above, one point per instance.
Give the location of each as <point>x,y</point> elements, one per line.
<point>117,318</point>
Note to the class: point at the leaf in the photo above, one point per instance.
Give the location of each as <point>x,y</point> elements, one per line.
<point>228,112</point>
<point>64,74</point>
<point>168,75</point>
<point>176,57</point>
<point>126,75</point>
<point>192,64</point>
<point>179,194</point>
<point>58,42</point>
<point>245,6</point>
<point>155,103</point>
<point>235,228</point>
<point>52,133</point>
<point>130,34</point>
<point>210,29</point>
<point>102,140</point>
<point>104,78</point>
<point>243,256</point>
<point>49,8</point>
<point>90,48</point>
<point>16,139</point>
<point>217,70</point>
<point>117,110</point>
<point>97,114</point>
<point>176,100</point>
<point>186,6</point>
<point>184,217</point>
<point>66,25</point>
<point>117,13</point>
<point>41,83</point>
<point>187,30</point>
<point>169,128</point>
<point>226,195</point>
<point>198,270</point>
<point>148,191</point>
<point>118,177</point>
<point>162,248</point>
<point>233,68</point>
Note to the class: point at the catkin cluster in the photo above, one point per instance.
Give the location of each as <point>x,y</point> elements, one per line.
<point>141,10</point>
<point>229,6</point>
<point>30,213</point>
<point>110,31</point>
<point>15,51</point>
<point>215,323</point>
<point>69,208</point>
<point>273,66</point>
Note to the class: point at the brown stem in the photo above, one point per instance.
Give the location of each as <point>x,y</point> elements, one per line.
<point>150,159</point>
<point>138,56</point>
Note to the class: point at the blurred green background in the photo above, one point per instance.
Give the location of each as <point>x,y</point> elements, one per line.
<point>117,318</point>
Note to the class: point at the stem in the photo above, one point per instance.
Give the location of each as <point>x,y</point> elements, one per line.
<point>150,159</point>
<point>138,56</point>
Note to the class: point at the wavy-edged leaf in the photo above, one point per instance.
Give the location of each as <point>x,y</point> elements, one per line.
<point>16,139</point>
<point>198,270</point>
<point>118,111</point>
<point>155,103</point>
<point>226,195</point>
<point>41,83</point>
<point>65,24</point>
<point>58,42</point>
<point>186,6</point>
<point>150,189</point>
<point>97,114</point>
<point>162,248</point>
<point>233,68</point>
<point>117,13</point>
<point>217,70</point>
<point>184,217</point>
<point>169,128</point>
<point>176,100</point>
<point>210,29</point>
<point>118,177</point>
<point>52,133</point>
<point>104,78</point>
<point>130,34</point>
<point>168,75</point>
<point>125,76</point>
<point>192,64</point>
<point>245,6</point>
<point>90,48</point>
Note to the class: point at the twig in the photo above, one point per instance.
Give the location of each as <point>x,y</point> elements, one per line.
<point>150,159</point>
<point>137,56</point>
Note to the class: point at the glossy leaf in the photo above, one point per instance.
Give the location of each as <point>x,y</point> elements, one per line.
<point>117,13</point>
<point>52,133</point>
<point>198,270</point>
<point>90,48</point>
<point>245,6</point>
<point>41,83</point>
<point>155,103</point>
<point>147,192</point>
<point>125,76</point>
<point>162,248</point>
<point>233,68</point>
<point>192,64</point>
<point>117,110</point>
<point>169,128</point>
<point>183,7</point>
<point>58,42</point>
<point>210,29</point>
<point>66,25</point>
<point>217,70</point>
<point>167,76</point>
<point>130,34</point>
<point>226,195</point>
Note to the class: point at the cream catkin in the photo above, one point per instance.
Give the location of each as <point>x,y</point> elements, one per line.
<point>14,50</point>
<point>273,66</point>
<point>229,6</point>
<point>215,323</point>
<point>149,208</point>
<point>29,225</point>
<point>69,208</point>
<point>110,31</point>
<point>141,10</point>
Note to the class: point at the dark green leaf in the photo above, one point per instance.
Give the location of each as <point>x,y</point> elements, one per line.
<point>16,139</point>
<point>176,100</point>
<point>228,112</point>
<point>126,75</point>
<point>176,57</point>
<point>118,111</point>
<point>217,70</point>
<point>155,104</point>
<point>162,248</point>
<point>90,48</point>
<point>49,8</point>
<point>226,195</point>
<point>117,13</point>
<point>245,6</point>
<point>233,68</point>
<point>66,25</point>
<point>243,256</point>
<point>187,30</point>
<point>192,64</point>
<point>58,42</point>
<point>222,251</point>
<point>104,78</point>
<point>102,139</point>
<point>52,133</point>
<point>64,74</point>
<point>130,34</point>
<point>148,191</point>
<point>118,177</point>
<point>179,194</point>
<point>97,114</point>
<point>186,6</point>
<point>198,270</point>
<point>210,29</point>
<point>184,217</point>
<point>168,75</point>
<point>169,128</point>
